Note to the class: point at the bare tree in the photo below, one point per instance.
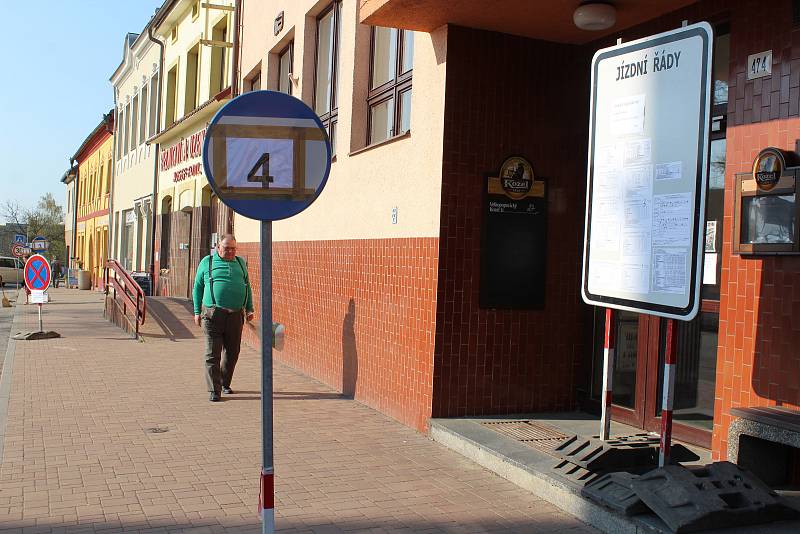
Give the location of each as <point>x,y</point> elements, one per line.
<point>14,215</point>
<point>46,220</point>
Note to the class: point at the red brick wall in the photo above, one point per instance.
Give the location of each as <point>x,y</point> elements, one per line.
<point>359,316</point>
<point>757,361</point>
<point>510,96</point>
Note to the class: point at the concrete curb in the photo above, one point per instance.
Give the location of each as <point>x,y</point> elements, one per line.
<point>536,482</point>
<point>8,369</point>
<point>529,469</point>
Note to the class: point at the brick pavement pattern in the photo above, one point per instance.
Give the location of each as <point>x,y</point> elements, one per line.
<point>107,434</point>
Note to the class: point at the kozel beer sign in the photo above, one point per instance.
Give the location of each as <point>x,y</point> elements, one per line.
<point>767,168</point>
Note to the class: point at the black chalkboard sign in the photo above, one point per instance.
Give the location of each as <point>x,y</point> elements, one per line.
<point>513,243</point>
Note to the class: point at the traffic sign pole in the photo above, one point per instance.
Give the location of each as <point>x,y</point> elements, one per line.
<point>252,178</point>
<point>267,462</point>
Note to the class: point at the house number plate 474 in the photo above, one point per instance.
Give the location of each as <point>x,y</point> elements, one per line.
<point>759,65</point>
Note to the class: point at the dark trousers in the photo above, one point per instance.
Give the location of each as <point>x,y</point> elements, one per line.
<point>223,330</point>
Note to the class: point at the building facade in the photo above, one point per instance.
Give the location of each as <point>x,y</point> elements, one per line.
<point>197,65</point>
<point>136,86</point>
<point>70,217</point>
<point>381,281</point>
<point>386,283</point>
<point>94,159</point>
<point>355,275</point>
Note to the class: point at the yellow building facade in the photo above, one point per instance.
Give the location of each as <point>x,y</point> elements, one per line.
<point>94,159</point>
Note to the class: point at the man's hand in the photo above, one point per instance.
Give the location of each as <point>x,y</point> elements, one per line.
<point>197,320</point>
<point>250,316</point>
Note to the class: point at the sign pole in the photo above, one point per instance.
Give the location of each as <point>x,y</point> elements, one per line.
<point>608,373</point>
<point>267,501</point>
<point>670,361</point>
<point>266,194</point>
<point>40,317</point>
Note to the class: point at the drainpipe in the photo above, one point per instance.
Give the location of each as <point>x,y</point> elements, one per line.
<point>111,251</point>
<point>110,188</point>
<point>237,17</point>
<point>73,164</point>
<point>235,90</point>
<point>153,206</point>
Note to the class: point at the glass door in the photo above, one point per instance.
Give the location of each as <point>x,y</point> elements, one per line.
<point>630,365</point>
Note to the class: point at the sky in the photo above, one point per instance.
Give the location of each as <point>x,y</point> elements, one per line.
<point>57,87</point>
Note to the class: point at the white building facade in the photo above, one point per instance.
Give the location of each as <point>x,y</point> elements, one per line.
<point>136,91</point>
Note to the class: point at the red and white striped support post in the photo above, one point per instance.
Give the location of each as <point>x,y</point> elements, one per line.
<point>608,373</point>
<point>670,359</point>
<point>266,500</point>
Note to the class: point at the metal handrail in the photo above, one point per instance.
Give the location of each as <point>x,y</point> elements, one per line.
<point>127,290</point>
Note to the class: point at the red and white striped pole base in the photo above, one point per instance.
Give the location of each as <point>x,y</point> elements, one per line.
<point>266,500</point>
<point>670,359</point>
<point>608,373</point>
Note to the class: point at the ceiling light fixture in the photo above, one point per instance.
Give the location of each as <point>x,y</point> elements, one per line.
<point>595,16</point>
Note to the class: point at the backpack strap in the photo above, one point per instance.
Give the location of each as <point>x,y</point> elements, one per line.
<point>246,279</point>
<point>211,278</point>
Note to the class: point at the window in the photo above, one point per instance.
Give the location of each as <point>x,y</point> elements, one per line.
<point>285,62</point>
<point>389,98</point>
<point>325,72</point>
<point>120,128</point>
<point>219,79</point>
<point>254,83</point>
<point>108,175</point>
<point>174,33</point>
<point>196,9</point>
<point>153,105</point>
<point>143,118</point>
<point>172,86</point>
<point>69,200</point>
<point>190,94</point>
<point>126,129</point>
<point>135,123</point>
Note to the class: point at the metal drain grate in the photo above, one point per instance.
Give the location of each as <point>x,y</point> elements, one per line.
<point>537,435</point>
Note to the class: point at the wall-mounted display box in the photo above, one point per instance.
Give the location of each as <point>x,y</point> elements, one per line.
<point>766,212</point>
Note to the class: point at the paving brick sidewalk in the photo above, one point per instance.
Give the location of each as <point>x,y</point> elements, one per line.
<point>80,454</point>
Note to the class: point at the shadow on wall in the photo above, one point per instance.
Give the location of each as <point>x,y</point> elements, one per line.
<point>776,360</point>
<point>349,352</point>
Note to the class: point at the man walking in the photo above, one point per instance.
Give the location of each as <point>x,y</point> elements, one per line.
<point>56,271</point>
<point>223,299</point>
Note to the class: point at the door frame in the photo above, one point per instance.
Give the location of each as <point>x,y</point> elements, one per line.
<point>646,400</point>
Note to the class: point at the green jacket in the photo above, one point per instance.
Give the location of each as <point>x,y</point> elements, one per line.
<point>231,284</point>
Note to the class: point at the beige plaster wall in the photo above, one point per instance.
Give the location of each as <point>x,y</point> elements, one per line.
<point>190,31</point>
<point>193,191</point>
<point>363,187</point>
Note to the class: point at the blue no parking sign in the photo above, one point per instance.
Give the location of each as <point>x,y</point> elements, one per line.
<point>37,273</point>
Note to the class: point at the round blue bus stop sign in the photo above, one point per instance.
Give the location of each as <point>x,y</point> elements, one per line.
<point>267,155</point>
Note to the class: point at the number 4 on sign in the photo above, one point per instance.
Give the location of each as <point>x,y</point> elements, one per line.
<point>265,178</point>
